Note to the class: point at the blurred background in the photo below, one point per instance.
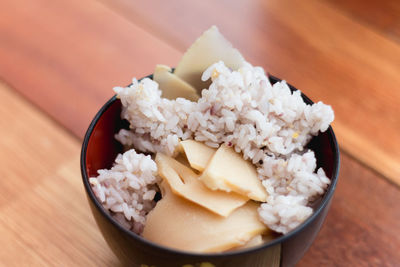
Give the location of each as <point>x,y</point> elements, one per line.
<point>59,61</point>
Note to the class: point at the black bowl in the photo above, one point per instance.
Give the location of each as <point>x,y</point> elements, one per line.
<point>99,150</point>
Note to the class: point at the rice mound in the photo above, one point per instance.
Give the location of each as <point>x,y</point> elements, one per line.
<point>128,189</point>
<point>268,123</point>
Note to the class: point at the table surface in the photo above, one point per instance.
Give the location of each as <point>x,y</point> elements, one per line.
<point>59,61</point>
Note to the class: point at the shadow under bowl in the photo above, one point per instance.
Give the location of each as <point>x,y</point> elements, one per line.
<point>99,151</point>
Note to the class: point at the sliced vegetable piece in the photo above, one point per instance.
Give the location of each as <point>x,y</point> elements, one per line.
<point>208,49</point>
<point>185,183</point>
<point>228,171</point>
<point>172,86</point>
<point>255,241</point>
<point>197,153</point>
<point>178,223</point>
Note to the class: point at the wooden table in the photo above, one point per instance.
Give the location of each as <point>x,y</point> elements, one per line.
<point>60,59</point>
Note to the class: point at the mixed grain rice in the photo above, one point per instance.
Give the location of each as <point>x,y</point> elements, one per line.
<point>268,123</point>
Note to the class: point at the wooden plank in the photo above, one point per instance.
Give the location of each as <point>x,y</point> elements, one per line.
<point>42,177</point>
<point>53,224</point>
<point>383,16</point>
<point>45,213</point>
<point>66,56</point>
<point>25,144</point>
<point>63,76</point>
<point>44,216</point>
<point>311,44</point>
<point>362,227</point>
<point>48,185</point>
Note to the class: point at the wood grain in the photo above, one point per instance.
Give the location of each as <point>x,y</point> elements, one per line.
<point>362,227</point>
<point>45,219</point>
<point>314,46</point>
<point>66,56</point>
<point>382,16</point>
<point>309,43</point>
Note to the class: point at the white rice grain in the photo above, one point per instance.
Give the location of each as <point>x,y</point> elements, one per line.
<point>268,123</point>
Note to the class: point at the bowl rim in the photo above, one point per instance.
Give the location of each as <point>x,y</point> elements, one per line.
<point>324,201</point>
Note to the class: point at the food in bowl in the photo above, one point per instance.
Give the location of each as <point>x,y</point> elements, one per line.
<point>216,172</point>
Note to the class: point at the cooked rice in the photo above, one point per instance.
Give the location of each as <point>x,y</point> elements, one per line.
<point>268,123</point>
<point>128,189</point>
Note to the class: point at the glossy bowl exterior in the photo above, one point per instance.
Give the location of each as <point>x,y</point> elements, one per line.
<point>99,151</point>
